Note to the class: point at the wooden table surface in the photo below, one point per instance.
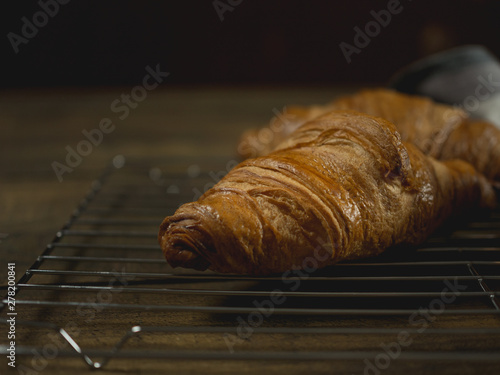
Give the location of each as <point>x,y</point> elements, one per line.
<point>39,127</point>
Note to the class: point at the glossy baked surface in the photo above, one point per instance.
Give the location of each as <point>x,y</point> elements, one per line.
<point>343,186</point>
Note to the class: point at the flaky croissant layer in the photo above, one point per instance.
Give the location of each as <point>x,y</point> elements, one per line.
<point>343,183</point>
<point>441,131</point>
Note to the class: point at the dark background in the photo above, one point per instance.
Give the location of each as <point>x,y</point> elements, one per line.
<point>262,42</point>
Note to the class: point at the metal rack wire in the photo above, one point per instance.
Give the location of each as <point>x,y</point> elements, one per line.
<point>101,290</point>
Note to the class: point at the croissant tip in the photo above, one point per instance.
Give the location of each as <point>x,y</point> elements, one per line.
<point>179,254</point>
<point>186,258</point>
<point>177,242</point>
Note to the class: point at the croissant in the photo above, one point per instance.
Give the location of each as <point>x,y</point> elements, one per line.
<point>343,186</point>
<point>441,131</point>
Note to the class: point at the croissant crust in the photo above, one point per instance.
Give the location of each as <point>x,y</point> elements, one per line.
<point>342,186</point>
<point>441,131</point>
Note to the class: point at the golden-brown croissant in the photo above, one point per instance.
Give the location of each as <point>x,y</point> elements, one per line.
<point>441,131</point>
<point>342,186</point>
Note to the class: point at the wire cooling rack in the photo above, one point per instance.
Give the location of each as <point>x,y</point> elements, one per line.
<point>101,293</point>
